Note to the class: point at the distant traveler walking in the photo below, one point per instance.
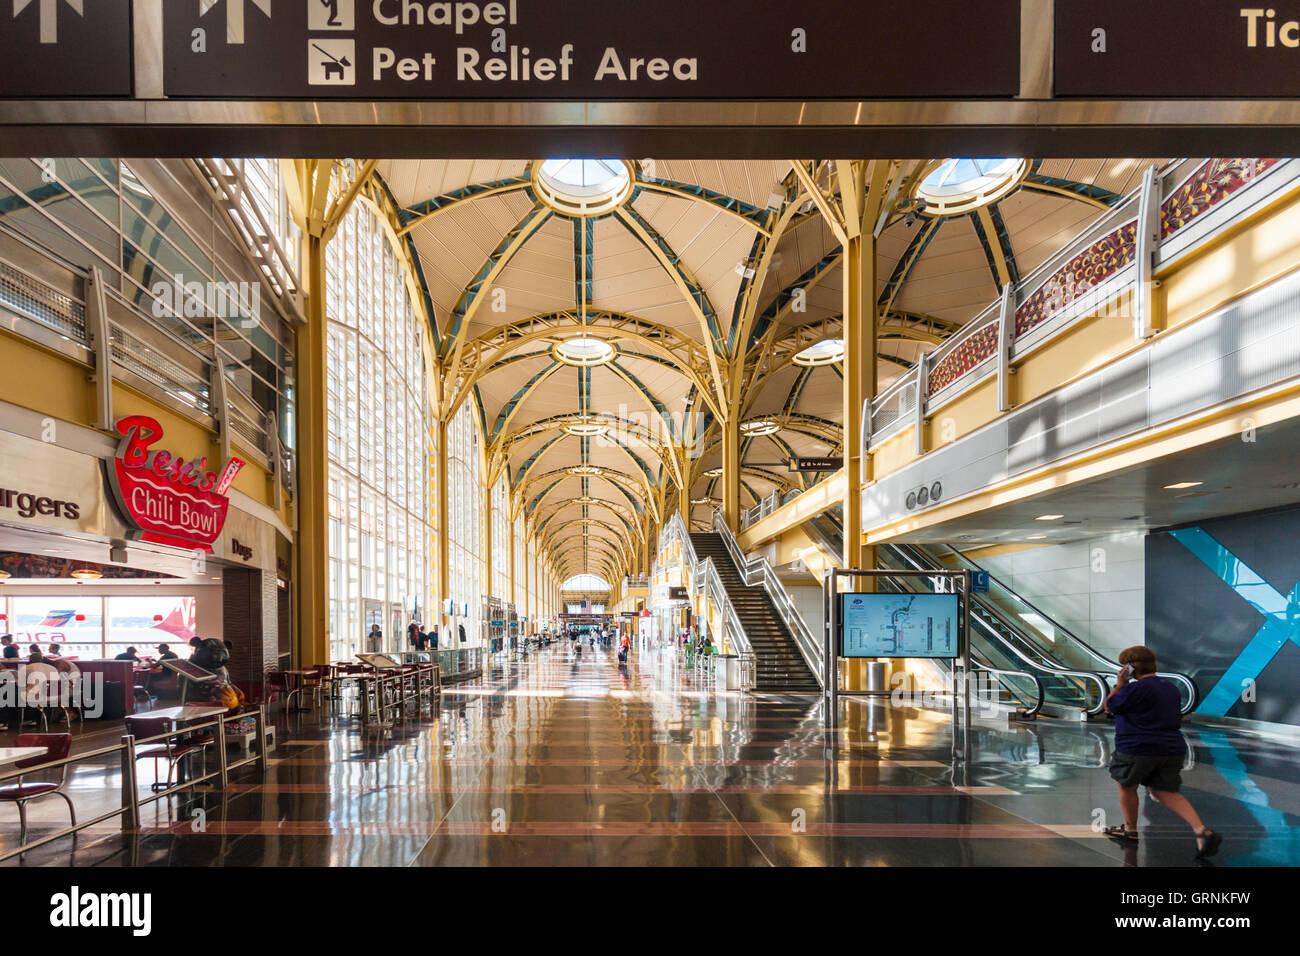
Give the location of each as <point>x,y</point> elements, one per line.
<point>1149,747</point>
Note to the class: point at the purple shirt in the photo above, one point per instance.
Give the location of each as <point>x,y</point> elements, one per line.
<point>1147,718</point>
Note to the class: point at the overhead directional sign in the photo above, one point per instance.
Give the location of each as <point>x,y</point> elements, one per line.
<point>68,48</point>
<point>585,50</point>
<point>1153,49</point>
<point>816,464</point>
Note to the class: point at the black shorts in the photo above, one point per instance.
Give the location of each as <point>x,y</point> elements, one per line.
<point>1156,773</point>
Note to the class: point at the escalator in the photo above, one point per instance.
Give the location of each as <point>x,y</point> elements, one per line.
<point>1030,654</point>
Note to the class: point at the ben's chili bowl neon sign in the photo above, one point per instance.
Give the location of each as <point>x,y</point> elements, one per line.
<point>172,501</point>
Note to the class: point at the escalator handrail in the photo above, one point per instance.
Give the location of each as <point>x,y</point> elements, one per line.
<point>1101,680</point>
<point>1193,695</point>
<point>761,569</point>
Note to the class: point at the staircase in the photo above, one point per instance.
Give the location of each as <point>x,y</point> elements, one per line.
<point>779,666</point>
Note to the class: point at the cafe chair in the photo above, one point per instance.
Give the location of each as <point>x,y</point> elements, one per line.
<point>172,747</point>
<point>278,688</point>
<point>57,747</point>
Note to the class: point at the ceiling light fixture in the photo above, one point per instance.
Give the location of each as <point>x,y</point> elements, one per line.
<point>825,352</point>
<point>1184,484</point>
<point>713,473</point>
<point>1049,517</point>
<point>587,470</point>
<point>584,351</point>
<point>1036,537</point>
<point>758,427</point>
<point>584,427</point>
<point>87,574</point>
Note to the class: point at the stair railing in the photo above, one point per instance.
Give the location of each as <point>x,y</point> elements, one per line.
<point>705,579</point>
<point>759,573</point>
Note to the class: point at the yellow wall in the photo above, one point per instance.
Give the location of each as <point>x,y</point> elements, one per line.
<point>53,384</point>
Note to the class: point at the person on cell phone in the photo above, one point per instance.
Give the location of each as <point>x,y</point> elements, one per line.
<point>1149,747</point>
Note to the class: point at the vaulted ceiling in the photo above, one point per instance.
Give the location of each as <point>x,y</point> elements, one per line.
<point>669,277</point>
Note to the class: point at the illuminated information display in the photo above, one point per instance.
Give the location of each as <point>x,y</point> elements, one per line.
<point>899,625</point>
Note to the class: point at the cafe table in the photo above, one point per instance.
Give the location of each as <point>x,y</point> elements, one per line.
<point>9,756</point>
<point>299,677</point>
<point>179,716</point>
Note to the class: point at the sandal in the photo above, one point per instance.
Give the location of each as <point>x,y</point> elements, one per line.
<point>1121,832</point>
<point>1207,843</point>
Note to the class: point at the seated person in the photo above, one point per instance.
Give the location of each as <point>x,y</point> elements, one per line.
<point>34,655</point>
<point>10,648</point>
<point>128,655</point>
<point>53,653</point>
<point>165,653</point>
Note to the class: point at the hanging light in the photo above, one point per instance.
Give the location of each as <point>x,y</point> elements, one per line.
<point>585,427</point>
<point>713,473</point>
<point>87,572</point>
<point>758,427</point>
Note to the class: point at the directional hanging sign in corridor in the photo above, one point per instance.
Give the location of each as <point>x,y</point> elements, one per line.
<point>1155,49</point>
<point>584,50</point>
<point>65,48</point>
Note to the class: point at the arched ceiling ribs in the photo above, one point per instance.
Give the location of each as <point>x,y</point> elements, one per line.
<point>811,175</point>
<point>925,234</point>
<point>783,350</point>
<point>691,290</point>
<point>658,407</point>
<point>619,431</point>
<point>916,327</point>
<point>478,290</point>
<point>587,547</point>
<point>560,533</point>
<point>625,515</point>
<point>383,197</point>
<point>627,484</point>
<point>489,352</point>
<point>781,307</point>
<point>761,257</point>
<point>753,216</point>
<point>992,235</point>
<point>509,409</point>
<point>416,215</point>
<point>1094,196</point>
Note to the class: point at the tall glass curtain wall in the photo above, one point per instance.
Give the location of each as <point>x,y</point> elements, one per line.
<point>144,223</point>
<point>465,502</point>
<point>380,535</point>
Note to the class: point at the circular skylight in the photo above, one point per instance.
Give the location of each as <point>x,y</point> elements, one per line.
<point>825,352</point>
<point>584,351</point>
<point>583,187</point>
<point>958,186</point>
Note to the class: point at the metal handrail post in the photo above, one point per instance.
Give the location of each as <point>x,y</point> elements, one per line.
<point>261,737</point>
<point>223,768</point>
<point>130,789</point>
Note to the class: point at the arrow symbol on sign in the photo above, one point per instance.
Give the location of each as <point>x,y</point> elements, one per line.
<point>49,16</point>
<point>234,15</point>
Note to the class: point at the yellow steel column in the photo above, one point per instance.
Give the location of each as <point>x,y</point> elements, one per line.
<point>731,468</point>
<point>444,529</point>
<point>859,385</point>
<point>312,579</point>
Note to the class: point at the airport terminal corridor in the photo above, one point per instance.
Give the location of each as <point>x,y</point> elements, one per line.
<point>574,760</point>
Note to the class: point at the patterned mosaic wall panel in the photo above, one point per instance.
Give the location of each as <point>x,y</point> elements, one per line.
<point>1211,184</point>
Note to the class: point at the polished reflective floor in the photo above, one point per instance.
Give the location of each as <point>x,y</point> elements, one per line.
<point>555,760</point>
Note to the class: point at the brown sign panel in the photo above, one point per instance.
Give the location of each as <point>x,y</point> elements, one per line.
<point>67,49</point>
<point>1177,48</point>
<point>816,464</point>
<point>584,50</point>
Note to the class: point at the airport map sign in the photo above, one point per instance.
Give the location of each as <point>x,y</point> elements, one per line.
<point>65,48</point>
<point>582,50</point>
<point>1152,49</point>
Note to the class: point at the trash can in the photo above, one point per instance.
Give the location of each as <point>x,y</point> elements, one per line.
<point>726,671</point>
<point>876,677</point>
